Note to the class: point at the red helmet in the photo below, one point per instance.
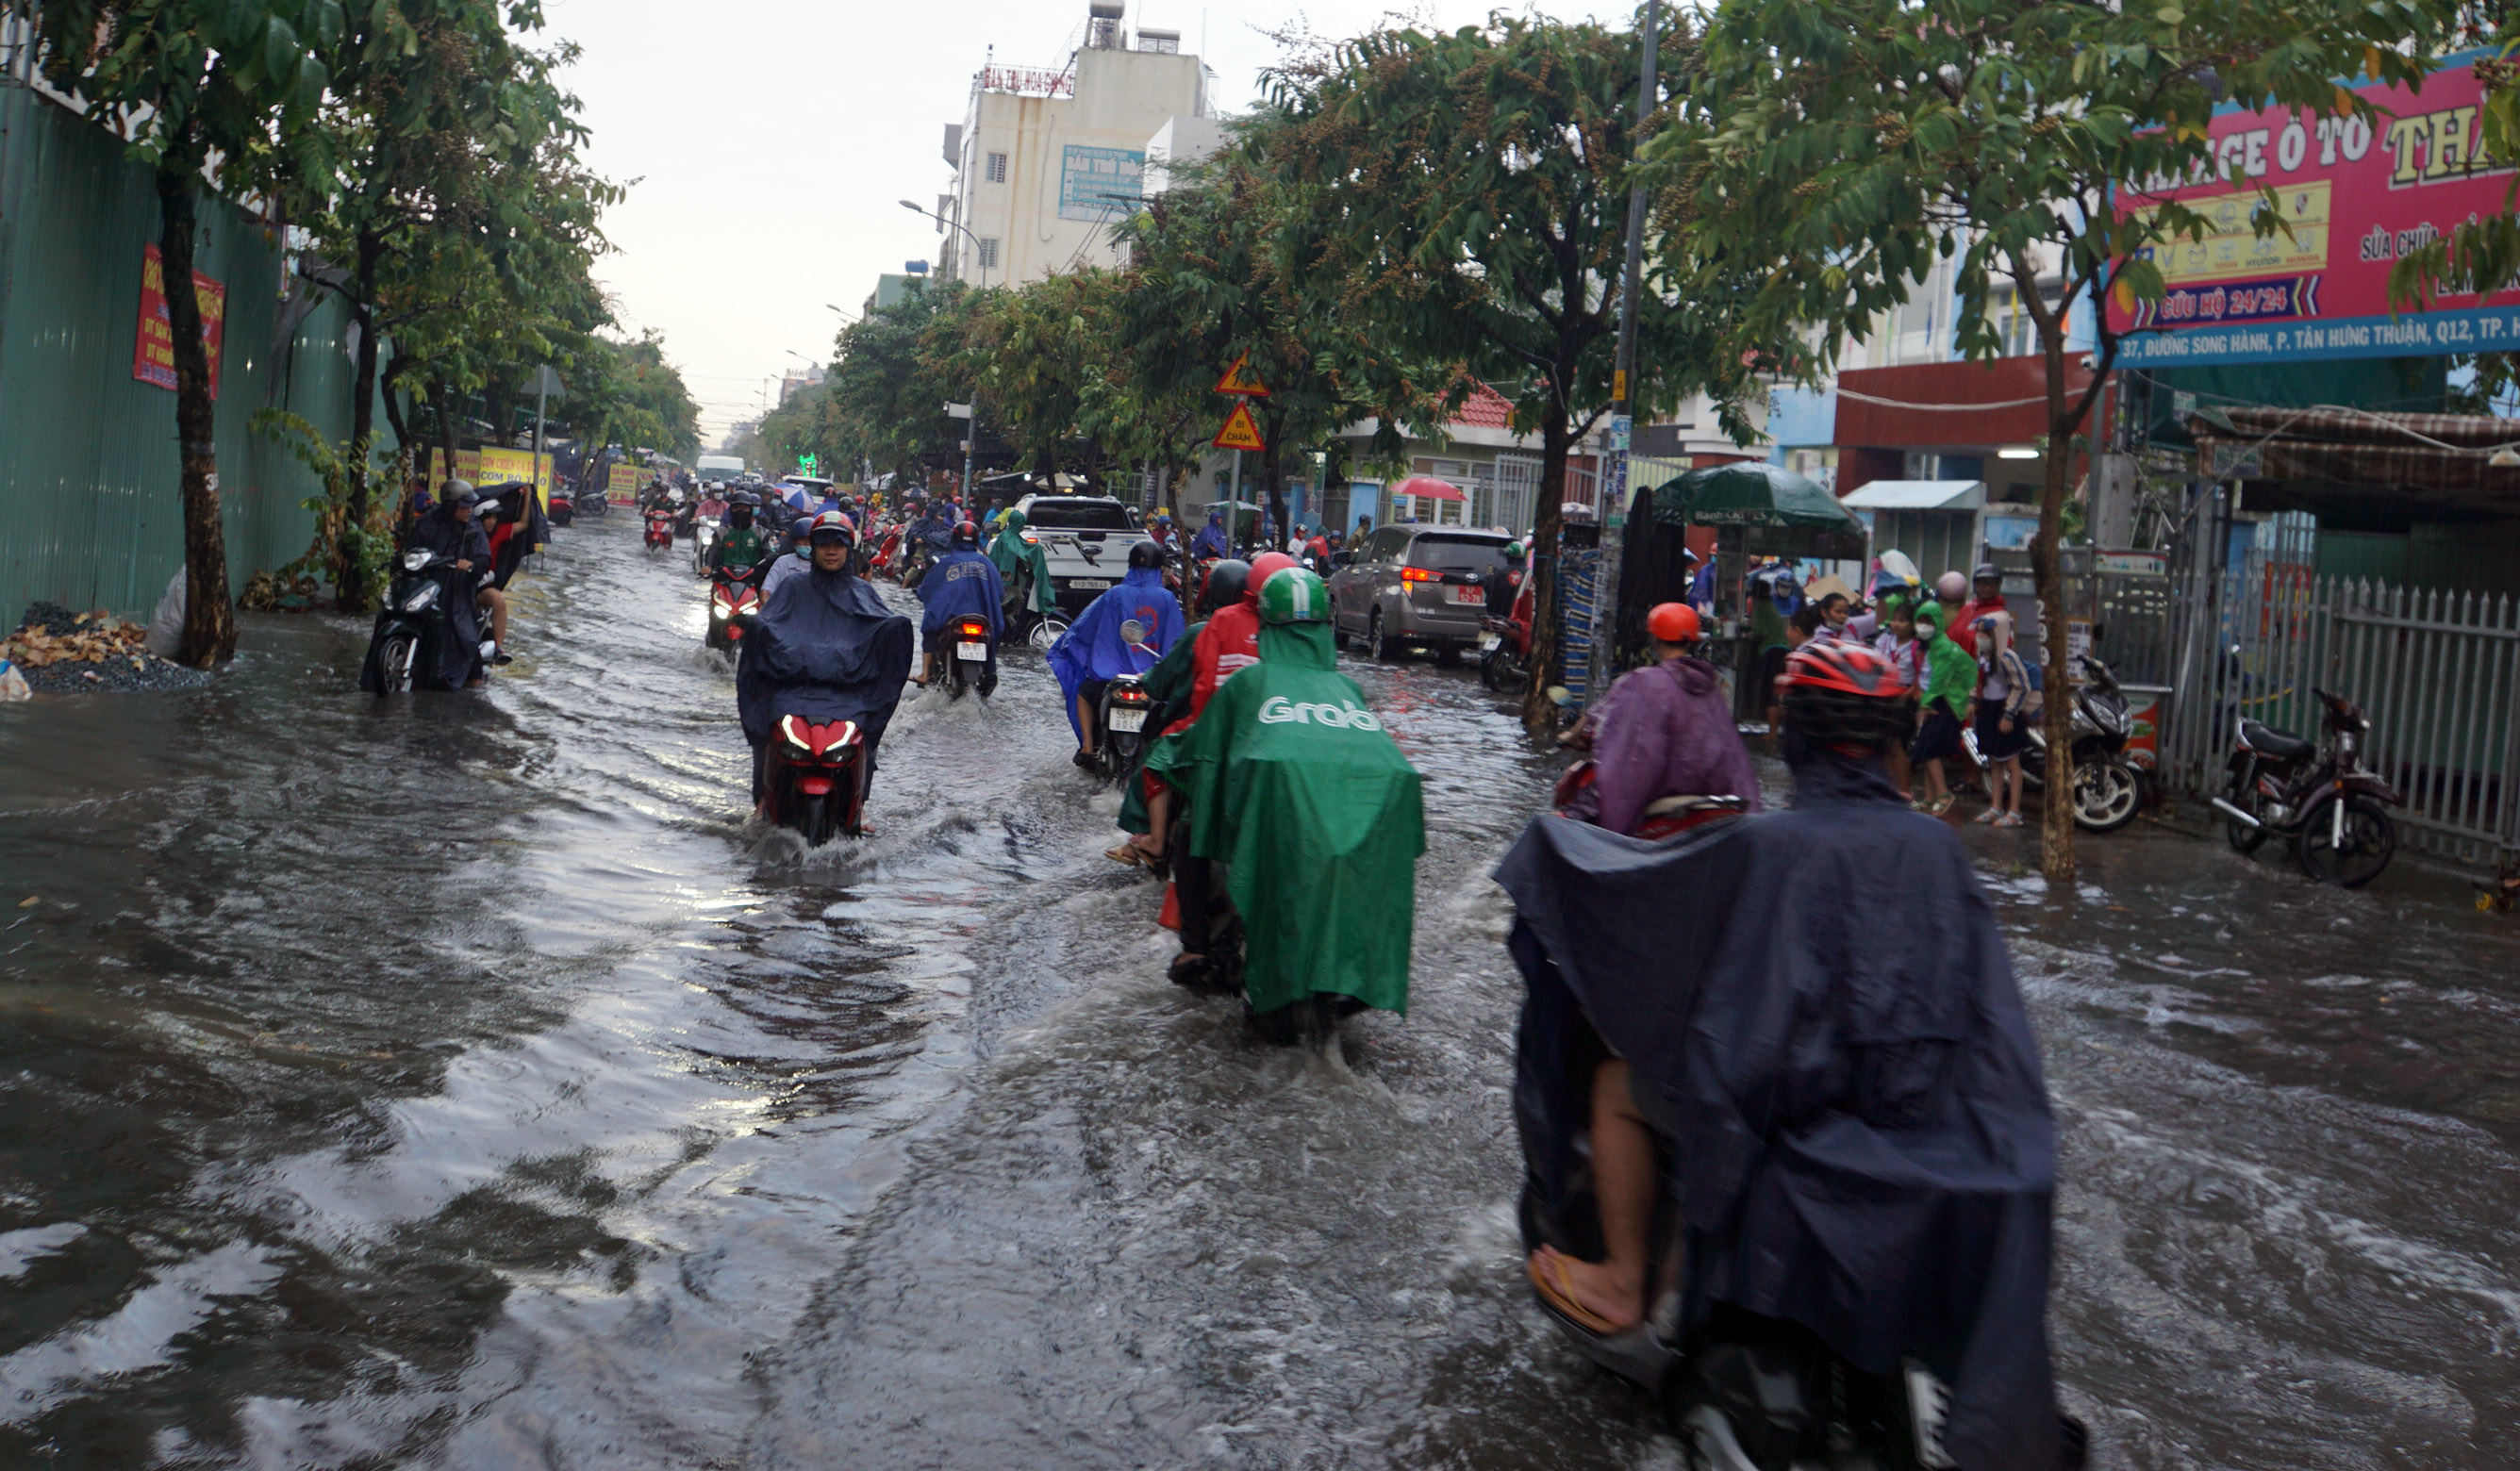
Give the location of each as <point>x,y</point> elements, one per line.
<point>833,525</point>
<point>1673,623</point>
<point>1840,667</point>
<point>1264,566</point>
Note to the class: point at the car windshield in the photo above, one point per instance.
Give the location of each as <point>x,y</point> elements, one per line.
<point>1078,515</point>
<point>1457,553</point>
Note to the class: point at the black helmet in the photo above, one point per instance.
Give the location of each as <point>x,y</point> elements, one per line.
<point>1226,582</point>
<point>1146,555</point>
<point>965,534</point>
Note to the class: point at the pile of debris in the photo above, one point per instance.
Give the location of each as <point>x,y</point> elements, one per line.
<point>63,652</point>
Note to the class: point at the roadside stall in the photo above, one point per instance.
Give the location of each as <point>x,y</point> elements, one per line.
<point>1757,511</point>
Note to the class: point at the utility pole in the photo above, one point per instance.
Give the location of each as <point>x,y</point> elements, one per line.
<point>547,386</point>
<point>1614,480</point>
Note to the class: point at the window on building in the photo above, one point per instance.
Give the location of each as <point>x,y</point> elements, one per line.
<point>996,168</point>
<point>988,253</point>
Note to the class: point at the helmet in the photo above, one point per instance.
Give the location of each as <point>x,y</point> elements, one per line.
<point>1842,695</point>
<point>965,534</point>
<point>1163,519</point>
<point>831,526</point>
<point>1264,566</point>
<point>1987,571</point>
<point>1226,581</point>
<point>460,493</point>
<point>1146,555</point>
<point>801,529</point>
<point>1294,596</point>
<point>1512,550</point>
<point>1673,623</point>
<point>1950,585</point>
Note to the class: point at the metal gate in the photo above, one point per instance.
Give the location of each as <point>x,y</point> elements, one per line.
<point>2438,671</point>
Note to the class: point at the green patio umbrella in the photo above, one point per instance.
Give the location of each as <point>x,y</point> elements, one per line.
<point>1751,493</point>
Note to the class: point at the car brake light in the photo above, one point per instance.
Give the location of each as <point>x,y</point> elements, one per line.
<point>1029,539</point>
<point>1418,574</point>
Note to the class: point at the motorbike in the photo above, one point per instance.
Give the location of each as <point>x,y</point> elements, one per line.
<point>2107,788</point>
<point>2316,794</point>
<point>1504,655</point>
<point>733,597</point>
<point>814,777</point>
<point>1127,719</point>
<point>563,508</point>
<point>416,628</point>
<point>969,666</point>
<point>660,528</point>
<point>705,534</point>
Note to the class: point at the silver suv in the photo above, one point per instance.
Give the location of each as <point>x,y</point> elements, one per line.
<point>1086,539</point>
<point>1416,586</point>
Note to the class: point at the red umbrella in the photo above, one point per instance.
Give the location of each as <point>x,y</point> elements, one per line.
<point>1429,488</point>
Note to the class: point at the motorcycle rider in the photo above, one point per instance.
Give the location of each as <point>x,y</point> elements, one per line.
<point>1813,1013</point>
<point>451,529</point>
<point>1212,540</point>
<point>1663,730</point>
<point>1294,786</point>
<point>1023,568</point>
<point>961,585</point>
<point>1207,654</point>
<point>1504,581</point>
<point>826,634</point>
<point>1124,631</point>
<point>738,550</point>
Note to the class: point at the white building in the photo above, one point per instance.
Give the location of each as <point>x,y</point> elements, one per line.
<point>1047,159</point>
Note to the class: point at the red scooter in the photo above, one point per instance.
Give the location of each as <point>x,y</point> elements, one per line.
<point>660,528</point>
<point>733,598</point>
<point>815,779</point>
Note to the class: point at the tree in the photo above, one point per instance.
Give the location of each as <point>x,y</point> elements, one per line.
<point>890,380</point>
<point>1033,354</point>
<point>1855,142</point>
<point>1473,192</point>
<point>194,85</point>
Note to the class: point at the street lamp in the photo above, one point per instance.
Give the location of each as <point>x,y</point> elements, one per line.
<point>845,316</point>
<point>966,234</point>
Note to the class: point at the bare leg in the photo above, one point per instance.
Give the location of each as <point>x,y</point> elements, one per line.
<point>2012,777</point>
<point>1623,1185</point>
<point>497,603</point>
<point>1085,722</point>
<point>1159,814</point>
<point>1935,790</point>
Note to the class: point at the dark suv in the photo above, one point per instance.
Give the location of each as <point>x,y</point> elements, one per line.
<point>1415,586</point>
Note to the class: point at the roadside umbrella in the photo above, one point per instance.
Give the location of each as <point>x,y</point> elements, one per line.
<point>1751,493</point>
<point>1429,488</point>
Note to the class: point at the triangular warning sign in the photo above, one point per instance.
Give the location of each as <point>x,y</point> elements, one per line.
<point>1240,380</point>
<point>1241,431</point>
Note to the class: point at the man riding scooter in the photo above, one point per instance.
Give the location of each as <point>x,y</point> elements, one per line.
<point>1811,1018</point>
<point>451,529</point>
<point>961,587</point>
<point>1124,631</point>
<point>1663,732</point>
<point>826,648</point>
<point>1205,656</point>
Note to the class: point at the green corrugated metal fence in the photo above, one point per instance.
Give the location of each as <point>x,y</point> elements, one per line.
<point>91,508</point>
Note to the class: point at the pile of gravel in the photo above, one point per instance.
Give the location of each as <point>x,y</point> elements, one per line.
<point>119,662</point>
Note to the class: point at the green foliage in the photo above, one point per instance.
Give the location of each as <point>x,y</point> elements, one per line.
<point>352,547</point>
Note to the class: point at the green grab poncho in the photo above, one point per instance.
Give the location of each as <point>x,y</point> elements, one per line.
<point>1168,684</point>
<point>1013,555</point>
<point>1293,785</point>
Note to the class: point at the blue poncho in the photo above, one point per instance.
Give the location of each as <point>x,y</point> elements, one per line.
<point>961,585</point>
<point>826,648</point>
<point>1125,631</point>
<point>1211,540</point>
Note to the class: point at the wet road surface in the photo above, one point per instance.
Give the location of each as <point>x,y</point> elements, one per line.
<point>462,1082</point>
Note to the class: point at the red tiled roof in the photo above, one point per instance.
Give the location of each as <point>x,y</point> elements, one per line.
<point>1486,408</point>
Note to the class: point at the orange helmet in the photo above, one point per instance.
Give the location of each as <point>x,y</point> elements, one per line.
<point>1673,623</point>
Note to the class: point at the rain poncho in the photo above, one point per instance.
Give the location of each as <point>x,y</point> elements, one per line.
<point>1951,673</point>
<point>1295,787</point>
<point>1212,540</point>
<point>1664,730</point>
<point>824,648</point>
<point>448,655</point>
<point>1015,557</point>
<point>1125,631</point>
<point>1822,1020</point>
<point>961,584</point>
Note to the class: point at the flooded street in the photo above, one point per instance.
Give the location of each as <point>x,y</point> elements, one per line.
<point>462,1082</point>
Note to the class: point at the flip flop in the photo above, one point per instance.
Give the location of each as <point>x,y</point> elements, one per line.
<point>1127,856</point>
<point>1549,1280</point>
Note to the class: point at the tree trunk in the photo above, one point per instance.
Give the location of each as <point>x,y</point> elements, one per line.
<point>349,576</point>
<point>2047,565</point>
<point>210,615</point>
<point>1272,479</point>
<point>1556,437</point>
<point>445,397</point>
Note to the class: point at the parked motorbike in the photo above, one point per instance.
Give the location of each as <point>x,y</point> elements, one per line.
<point>1504,655</point>
<point>562,509</point>
<point>814,777</point>
<point>660,528</point>
<point>733,597</point>
<point>417,632</point>
<point>2319,795</point>
<point>2107,788</point>
<point>1126,716</point>
<point>971,665</point>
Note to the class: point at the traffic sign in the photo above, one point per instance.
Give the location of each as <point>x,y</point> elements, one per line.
<point>1241,431</point>
<point>1239,380</point>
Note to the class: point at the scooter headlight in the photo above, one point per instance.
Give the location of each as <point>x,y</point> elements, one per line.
<point>719,610</point>
<point>413,561</point>
<point>422,598</point>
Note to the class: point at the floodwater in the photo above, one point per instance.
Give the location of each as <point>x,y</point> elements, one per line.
<point>460,1082</point>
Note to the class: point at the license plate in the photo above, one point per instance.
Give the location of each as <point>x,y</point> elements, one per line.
<point>1489,643</point>
<point>1131,721</point>
<point>1461,595</point>
<point>970,650</point>
<point>1097,583</point>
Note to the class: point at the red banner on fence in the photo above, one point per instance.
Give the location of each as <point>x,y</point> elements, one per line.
<point>153,357</point>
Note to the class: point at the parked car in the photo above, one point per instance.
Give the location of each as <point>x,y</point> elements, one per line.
<point>1415,586</point>
<point>1085,539</point>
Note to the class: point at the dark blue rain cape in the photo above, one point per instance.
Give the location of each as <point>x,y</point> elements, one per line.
<point>824,648</point>
<point>450,654</point>
<point>1101,645</point>
<point>1211,540</point>
<point>933,531</point>
<point>961,585</point>
<point>1822,1021</point>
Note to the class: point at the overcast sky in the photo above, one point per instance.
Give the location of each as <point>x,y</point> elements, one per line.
<point>765,143</point>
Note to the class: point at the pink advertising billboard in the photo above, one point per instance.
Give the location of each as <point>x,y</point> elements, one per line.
<point>2357,194</point>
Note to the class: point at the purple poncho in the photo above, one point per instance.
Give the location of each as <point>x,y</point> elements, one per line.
<point>1664,730</point>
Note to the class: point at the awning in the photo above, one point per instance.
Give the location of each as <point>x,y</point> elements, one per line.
<point>1429,488</point>
<point>2374,470</point>
<point>1751,493</point>
<point>1918,494</point>
<point>1956,407</point>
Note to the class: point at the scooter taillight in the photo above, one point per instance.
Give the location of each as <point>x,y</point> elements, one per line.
<point>972,629</point>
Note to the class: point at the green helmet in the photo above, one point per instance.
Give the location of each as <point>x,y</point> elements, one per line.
<point>1512,550</point>
<point>1294,596</point>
